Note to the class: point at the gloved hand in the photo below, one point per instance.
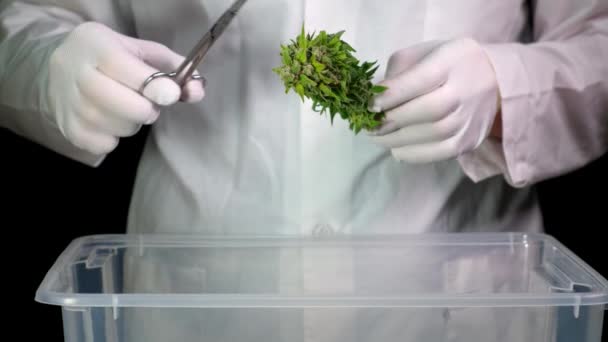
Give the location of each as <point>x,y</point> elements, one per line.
<point>94,79</point>
<point>442,101</point>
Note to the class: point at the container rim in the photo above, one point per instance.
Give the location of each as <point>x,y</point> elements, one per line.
<point>44,294</point>
<point>278,301</point>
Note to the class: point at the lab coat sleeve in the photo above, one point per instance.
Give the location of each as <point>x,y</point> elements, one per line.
<point>28,35</point>
<point>554,96</point>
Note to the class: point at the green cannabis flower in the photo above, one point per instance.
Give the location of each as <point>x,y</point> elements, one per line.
<point>323,69</point>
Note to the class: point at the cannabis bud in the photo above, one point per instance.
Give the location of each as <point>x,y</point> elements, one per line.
<point>323,69</point>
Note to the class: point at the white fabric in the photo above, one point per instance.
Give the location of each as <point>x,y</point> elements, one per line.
<point>553,96</point>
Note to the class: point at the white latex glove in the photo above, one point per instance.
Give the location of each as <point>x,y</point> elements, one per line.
<point>93,86</point>
<point>442,101</point>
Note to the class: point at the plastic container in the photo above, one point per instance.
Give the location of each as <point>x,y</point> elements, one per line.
<point>453,287</point>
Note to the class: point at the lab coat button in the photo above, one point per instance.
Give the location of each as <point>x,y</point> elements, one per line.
<point>323,229</point>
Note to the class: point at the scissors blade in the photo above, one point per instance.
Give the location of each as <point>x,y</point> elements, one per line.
<point>188,67</point>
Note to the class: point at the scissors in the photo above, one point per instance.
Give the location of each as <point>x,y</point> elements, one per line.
<point>186,70</point>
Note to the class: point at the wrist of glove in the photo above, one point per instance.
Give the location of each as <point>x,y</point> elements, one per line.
<point>94,78</point>
<point>442,101</point>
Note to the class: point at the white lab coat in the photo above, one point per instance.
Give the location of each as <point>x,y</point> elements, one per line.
<point>251,160</point>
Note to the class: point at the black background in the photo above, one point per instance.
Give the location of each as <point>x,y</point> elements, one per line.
<point>37,225</point>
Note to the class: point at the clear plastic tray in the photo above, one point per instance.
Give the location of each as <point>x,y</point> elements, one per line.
<point>452,287</point>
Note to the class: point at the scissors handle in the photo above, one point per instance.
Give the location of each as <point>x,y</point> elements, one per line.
<point>172,76</point>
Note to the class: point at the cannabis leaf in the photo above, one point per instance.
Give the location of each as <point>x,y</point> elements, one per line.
<point>323,69</point>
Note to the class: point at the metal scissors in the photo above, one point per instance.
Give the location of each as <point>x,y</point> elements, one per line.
<point>186,70</point>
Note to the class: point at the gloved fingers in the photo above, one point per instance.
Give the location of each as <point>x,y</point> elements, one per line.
<point>155,54</point>
<point>428,153</point>
<point>420,134</point>
<point>106,122</point>
<point>405,59</point>
<point>193,92</point>
<point>431,107</point>
<point>116,100</point>
<point>161,57</point>
<point>423,78</point>
<point>130,70</point>
<point>87,138</point>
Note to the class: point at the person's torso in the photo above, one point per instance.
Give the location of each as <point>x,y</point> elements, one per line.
<point>251,159</point>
